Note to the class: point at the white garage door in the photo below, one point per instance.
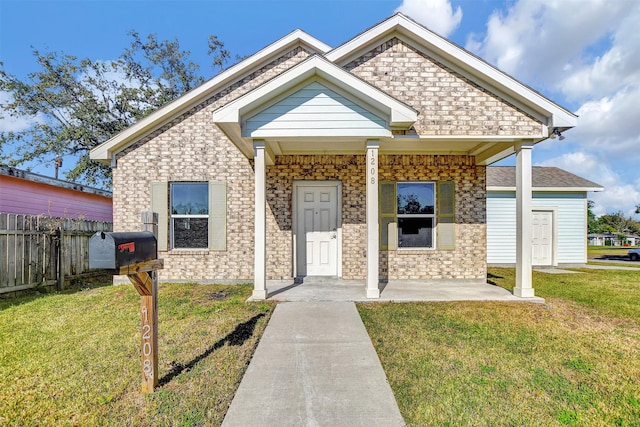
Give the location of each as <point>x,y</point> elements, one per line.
<point>542,238</point>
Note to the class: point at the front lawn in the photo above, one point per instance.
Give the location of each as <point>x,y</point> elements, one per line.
<point>74,358</point>
<point>573,361</point>
<point>603,251</point>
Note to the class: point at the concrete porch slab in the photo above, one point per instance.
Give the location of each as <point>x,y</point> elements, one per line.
<point>334,289</point>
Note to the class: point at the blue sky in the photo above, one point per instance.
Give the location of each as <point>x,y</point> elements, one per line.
<point>583,54</point>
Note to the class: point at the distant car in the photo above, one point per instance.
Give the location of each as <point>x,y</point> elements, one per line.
<point>634,254</point>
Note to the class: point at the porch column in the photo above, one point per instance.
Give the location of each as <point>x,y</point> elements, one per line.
<point>260,269</point>
<point>373,291</point>
<point>524,230</point>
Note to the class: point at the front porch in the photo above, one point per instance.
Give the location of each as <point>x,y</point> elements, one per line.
<point>320,110</point>
<point>335,289</point>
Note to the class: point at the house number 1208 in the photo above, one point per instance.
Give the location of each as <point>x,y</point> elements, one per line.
<point>372,170</point>
<point>147,349</point>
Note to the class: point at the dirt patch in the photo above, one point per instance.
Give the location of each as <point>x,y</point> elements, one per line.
<point>219,296</point>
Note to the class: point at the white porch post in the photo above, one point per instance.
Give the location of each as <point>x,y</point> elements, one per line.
<point>373,291</point>
<point>260,269</point>
<point>524,230</point>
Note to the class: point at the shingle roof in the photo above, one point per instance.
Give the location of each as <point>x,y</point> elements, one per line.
<point>542,177</point>
<point>34,177</point>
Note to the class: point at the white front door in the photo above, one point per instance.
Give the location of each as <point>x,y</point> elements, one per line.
<point>542,250</point>
<point>316,230</point>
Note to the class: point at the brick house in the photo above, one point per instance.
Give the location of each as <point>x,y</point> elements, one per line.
<point>367,161</point>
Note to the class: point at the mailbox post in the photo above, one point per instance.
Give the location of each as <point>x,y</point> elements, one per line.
<point>149,316</point>
<point>136,256</point>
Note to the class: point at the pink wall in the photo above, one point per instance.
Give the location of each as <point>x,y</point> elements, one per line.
<point>20,196</point>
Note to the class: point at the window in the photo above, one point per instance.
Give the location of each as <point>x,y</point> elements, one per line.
<point>410,213</point>
<point>189,215</point>
<point>194,193</point>
<point>415,212</point>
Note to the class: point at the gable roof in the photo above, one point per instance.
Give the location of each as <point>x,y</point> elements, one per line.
<point>192,98</point>
<point>461,61</point>
<point>313,69</point>
<point>552,116</point>
<point>503,178</point>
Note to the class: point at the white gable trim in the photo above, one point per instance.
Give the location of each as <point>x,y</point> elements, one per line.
<point>458,59</point>
<point>230,117</point>
<point>106,150</point>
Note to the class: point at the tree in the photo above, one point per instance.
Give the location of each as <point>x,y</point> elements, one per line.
<point>617,223</point>
<point>76,104</point>
<point>593,226</point>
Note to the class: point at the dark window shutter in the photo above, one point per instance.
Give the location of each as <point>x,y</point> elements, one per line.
<point>160,205</point>
<point>446,216</point>
<point>388,222</point>
<point>217,215</point>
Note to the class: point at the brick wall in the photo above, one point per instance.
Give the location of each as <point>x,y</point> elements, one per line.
<point>349,169</point>
<point>449,103</point>
<point>467,261</point>
<point>192,148</point>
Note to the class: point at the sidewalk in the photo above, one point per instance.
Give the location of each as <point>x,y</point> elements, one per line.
<point>315,366</point>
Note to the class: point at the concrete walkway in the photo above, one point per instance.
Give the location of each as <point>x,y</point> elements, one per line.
<point>314,366</point>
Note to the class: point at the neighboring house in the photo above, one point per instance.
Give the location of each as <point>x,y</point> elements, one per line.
<point>366,161</point>
<point>23,192</point>
<point>559,216</point>
<point>613,239</point>
<point>629,240</point>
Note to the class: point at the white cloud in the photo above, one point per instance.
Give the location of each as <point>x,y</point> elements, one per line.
<point>437,15</point>
<point>616,198</point>
<point>544,42</point>
<point>588,54</point>
<point>617,195</point>
<point>615,68</point>
<point>611,125</point>
<point>15,124</point>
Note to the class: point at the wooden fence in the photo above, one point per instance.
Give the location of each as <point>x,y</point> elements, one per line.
<point>39,251</point>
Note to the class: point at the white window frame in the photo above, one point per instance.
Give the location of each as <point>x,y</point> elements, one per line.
<point>173,217</point>
<point>410,216</point>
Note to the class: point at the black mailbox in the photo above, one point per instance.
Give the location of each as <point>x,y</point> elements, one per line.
<point>115,250</point>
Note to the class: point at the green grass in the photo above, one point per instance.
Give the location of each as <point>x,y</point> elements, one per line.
<point>598,251</point>
<point>74,358</point>
<point>574,361</point>
<point>614,293</point>
<point>614,264</point>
